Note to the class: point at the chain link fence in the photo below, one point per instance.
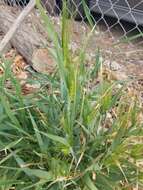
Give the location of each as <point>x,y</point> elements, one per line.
<point>122,17</point>
<point>118,25</point>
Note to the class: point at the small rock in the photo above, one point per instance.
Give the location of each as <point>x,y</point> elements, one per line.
<point>43,61</point>
<point>114,66</point>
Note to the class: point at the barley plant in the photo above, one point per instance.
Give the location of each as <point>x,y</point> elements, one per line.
<point>79,131</point>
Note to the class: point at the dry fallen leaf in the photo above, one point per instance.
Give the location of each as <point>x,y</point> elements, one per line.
<point>29,88</point>
<point>18,64</point>
<point>1,71</point>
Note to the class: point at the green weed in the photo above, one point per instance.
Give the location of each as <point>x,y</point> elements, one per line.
<point>71,136</point>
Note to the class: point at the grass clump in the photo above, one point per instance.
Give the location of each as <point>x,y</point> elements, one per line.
<point>69,135</point>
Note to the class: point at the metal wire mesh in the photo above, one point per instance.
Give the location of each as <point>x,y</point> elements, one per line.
<point>109,14</point>
<point>21,3</point>
<point>115,21</point>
